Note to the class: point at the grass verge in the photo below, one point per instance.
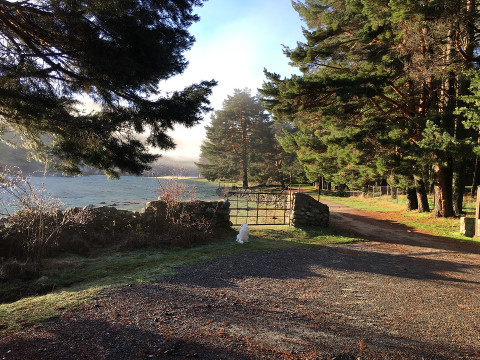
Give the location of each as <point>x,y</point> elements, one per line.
<point>75,279</point>
<point>369,204</point>
<point>443,227</point>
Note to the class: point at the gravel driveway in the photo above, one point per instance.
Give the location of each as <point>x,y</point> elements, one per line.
<point>400,295</point>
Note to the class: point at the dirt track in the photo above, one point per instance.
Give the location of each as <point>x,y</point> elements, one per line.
<point>400,295</point>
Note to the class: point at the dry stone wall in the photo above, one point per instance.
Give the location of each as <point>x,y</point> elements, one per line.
<point>105,226</point>
<point>306,211</point>
<point>216,213</point>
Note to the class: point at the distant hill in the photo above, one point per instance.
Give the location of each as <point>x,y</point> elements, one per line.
<point>170,166</point>
<point>10,156</point>
<point>163,167</point>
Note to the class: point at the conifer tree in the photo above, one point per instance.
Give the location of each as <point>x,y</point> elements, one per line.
<point>240,143</point>
<point>53,53</point>
<point>381,81</point>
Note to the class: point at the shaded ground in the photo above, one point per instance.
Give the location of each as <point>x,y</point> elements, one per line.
<point>401,295</point>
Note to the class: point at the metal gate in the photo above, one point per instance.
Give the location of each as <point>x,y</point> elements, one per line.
<point>259,208</point>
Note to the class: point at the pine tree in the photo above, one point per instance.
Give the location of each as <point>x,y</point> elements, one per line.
<point>340,133</point>
<point>437,46</point>
<point>241,145</point>
<point>53,53</point>
<point>381,81</point>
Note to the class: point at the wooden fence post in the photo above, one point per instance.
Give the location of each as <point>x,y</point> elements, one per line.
<point>477,213</point>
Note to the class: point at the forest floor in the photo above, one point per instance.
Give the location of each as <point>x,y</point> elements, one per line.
<point>401,294</point>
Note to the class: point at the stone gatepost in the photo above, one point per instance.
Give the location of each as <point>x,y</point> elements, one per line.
<point>467,226</point>
<point>477,214</point>
<point>306,211</point>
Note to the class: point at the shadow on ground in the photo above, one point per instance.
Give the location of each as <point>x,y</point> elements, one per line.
<point>390,231</point>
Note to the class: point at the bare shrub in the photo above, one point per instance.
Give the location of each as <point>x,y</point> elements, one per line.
<point>187,230</point>
<point>173,192</point>
<point>184,226</point>
<point>33,214</point>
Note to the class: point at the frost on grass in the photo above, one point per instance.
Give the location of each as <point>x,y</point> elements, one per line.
<point>32,216</point>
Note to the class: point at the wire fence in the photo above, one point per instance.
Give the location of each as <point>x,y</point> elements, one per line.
<point>388,193</point>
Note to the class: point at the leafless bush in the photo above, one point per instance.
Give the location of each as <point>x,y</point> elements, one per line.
<point>187,230</point>
<point>173,192</point>
<point>184,228</point>
<point>33,214</point>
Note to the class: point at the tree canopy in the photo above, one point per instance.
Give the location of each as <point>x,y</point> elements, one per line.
<point>55,53</point>
<point>241,143</point>
<point>381,81</point>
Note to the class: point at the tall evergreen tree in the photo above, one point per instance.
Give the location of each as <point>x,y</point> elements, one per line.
<point>241,144</point>
<point>380,84</point>
<point>53,53</point>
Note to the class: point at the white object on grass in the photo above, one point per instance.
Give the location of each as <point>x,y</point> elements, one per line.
<point>242,236</point>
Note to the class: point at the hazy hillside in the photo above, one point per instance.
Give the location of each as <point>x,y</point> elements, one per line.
<point>164,166</point>
<point>18,157</point>
<point>169,166</point>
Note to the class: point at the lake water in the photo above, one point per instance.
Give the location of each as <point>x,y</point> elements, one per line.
<point>129,192</point>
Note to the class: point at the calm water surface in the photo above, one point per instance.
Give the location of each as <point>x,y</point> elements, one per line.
<point>129,192</point>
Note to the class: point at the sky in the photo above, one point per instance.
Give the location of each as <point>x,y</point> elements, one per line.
<point>235,41</point>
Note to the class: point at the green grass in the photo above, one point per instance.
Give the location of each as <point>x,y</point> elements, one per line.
<point>370,204</point>
<point>78,279</point>
<point>222,183</point>
<point>384,203</point>
<point>443,227</point>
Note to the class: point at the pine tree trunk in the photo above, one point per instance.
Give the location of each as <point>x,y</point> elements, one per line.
<point>412,203</point>
<point>476,171</point>
<point>422,198</point>
<point>470,50</point>
<point>443,191</point>
<point>446,106</point>
<point>244,153</point>
<point>475,177</point>
<point>458,187</point>
<point>245,175</point>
